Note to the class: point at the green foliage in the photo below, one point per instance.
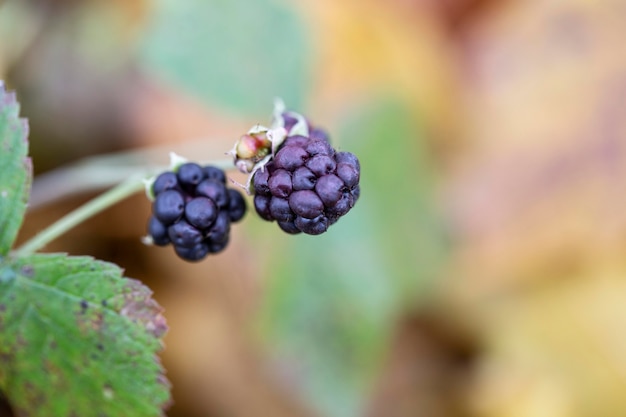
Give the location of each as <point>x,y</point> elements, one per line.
<point>76,338</point>
<point>239,54</point>
<point>15,169</point>
<point>332,299</point>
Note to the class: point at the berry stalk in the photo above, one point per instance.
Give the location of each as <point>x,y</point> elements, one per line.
<point>79,215</point>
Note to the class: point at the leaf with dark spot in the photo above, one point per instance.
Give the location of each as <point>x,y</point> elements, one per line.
<point>77,338</point>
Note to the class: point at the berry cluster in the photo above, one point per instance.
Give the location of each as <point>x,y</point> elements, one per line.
<point>307,186</point>
<point>193,210</point>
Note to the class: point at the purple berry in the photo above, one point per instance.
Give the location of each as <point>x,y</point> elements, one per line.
<point>259,182</point>
<point>237,206</point>
<point>306,203</point>
<point>183,234</point>
<point>280,183</point>
<point>319,147</point>
<point>193,253</point>
<point>221,228</point>
<point>214,190</point>
<point>348,174</point>
<point>290,157</point>
<point>262,207</point>
<point>280,210</point>
<point>158,231</point>
<point>329,188</point>
<point>214,173</point>
<point>201,212</point>
<point>190,174</point>
<point>169,206</point>
<point>289,227</point>
<point>321,164</point>
<point>315,226</point>
<point>319,134</point>
<point>296,140</point>
<point>303,179</point>
<point>348,158</point>
<point>165,181</point>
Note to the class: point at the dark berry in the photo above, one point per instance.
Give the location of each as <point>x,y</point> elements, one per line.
<point>321,164</point>
<point>214,190</point>
<point>214,173</point>
<point>259,182</point>
<point>315,226</point>
<point>184,234</point>
<point>303,179</point>
<point>290,157</point>
<point>193,253</point>
<point>319,147</point>
<point>165,181</point>
<point>158,231</point>
<point>190,174</point>
<point>215,247</point>
<point>280,183</point>
<point>280,210</point>
<point>319,134</point>
<point>169,206</point>
<point>306,203</point>
<point>296,140</point>
<point>237,206</point>
<point>289,227</point>
<point>289,121</point>
<point>329,188</point>
<point>220,229</point>
<point>348,158</point>
<point>262,207</point>
<point>201,212</point>
<point>342,206</point>
<point>348,174</point>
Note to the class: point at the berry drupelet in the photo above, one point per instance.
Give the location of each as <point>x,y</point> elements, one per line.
<point>193,210</point>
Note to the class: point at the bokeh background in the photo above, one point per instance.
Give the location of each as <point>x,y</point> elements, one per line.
<point>482,272</point>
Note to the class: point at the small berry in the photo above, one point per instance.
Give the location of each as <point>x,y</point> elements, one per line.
<point>289,227</point>
<point>194,253</point>
<point>315,226</point>
<point>329,188</point>
<point>280,210</point>
<point>221,228</point>
<point>165,181</point>
<point>158,231</point>
<point>184,234</point>
<point>237,206</point>
<point>315,147</point>
<point>262,206</point>
<point>321,164</point>
<point>280,183</point>
<point>259,182</point>
<point>319,134</point>
<point>290,157</point>
<point>201,212</point>
<point>214,173</point>
<point>303,179</point>
<point>190,174</point>
<point>169,206</point>
<point>214,190</point>
<point>306,203</point>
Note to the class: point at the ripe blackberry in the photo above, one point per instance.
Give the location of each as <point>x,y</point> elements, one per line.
<point>193,210</point>
<point>307,186</point>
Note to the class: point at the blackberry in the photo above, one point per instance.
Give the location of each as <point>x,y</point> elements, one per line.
<point>193,210</point>
<point>307,186</point>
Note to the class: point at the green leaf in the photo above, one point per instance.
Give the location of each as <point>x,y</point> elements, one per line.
<point>78,339</point>
<point>333,299</point>
<point>239,54</point>
<point>15,169</point>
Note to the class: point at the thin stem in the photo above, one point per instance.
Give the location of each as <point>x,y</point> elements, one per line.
<point>82,213</point>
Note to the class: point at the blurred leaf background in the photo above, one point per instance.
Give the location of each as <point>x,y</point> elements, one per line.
<point>480,274</point>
